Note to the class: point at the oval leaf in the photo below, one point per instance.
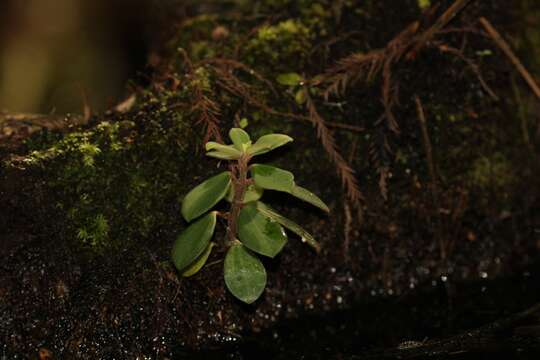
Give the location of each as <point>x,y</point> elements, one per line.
<point>228,151</point>
<point>289,224</point>
<point>272,178</point>
<point>260,233</point>
<point>300,96</point>
<point>205,195</point>
<point>220,155</point>
<point>308,196</point>
<point>289,79</point>
<point>267,143</point>
<point>244,274</point>
<point>240,139</point>
<point>253,193</point>
<point>199,263</point>
<point>192,242</point>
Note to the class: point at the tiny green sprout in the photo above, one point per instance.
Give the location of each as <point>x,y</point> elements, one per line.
<point>253,228</point>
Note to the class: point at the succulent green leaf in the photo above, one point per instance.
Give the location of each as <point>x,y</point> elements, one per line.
<point>220,155</point>
<point>227,152</point>
<point>289,224</point>
<point>244,122</point>
<point>300,96</point>
<point>199,263</point>
<point>253,193</point>
<point>244,274</point>
<point>205,195</point>
<point>289,79</point>
<point>240,139</point>
<point>267,143</point>
<point>272,178</point>
<point>260,233</point>
<point>192,242</point>
<point>308,196</point>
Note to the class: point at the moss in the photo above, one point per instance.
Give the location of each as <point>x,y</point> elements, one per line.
<point>118,181</point>
<point>424,4</point>
<point>275,45</point>
<point>494,171</point>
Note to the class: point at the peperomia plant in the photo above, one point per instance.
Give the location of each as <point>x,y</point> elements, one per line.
<point>252,227</point>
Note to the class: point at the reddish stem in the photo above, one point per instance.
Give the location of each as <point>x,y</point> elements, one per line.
<point>240,183</point>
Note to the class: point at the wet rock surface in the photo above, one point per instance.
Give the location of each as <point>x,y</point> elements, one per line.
<point>136,306</point>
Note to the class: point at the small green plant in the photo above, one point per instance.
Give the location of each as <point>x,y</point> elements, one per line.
<point>252,227</point>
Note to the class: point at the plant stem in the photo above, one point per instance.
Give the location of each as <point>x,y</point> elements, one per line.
<point>240,183</point>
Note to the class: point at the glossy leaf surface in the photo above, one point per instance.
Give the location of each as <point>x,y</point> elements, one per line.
<point>267,143</point>
<point>205,195</point>
<point>244,274</point>
<point>308,196</point>
<point>227,152</point>
<point>240,139</point>
<point>272,178</point>
<point>199,262</point>
<point>289,224</point>
<point>192,242</point>
<point>260,233</point>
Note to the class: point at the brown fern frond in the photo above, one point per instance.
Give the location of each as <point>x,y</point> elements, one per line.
<point>365,67</point>
<point>378,154</point>
<point>208,111</point>
<point>345,172</point>
<point>351,69</point>
<point>227,65</point>
<point>228,81</point>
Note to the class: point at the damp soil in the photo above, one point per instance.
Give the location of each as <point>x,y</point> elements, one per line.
<point>130,306</point>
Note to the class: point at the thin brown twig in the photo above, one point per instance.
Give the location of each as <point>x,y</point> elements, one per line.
<point>346,173</point>
<point>441,22</point>
<point>474,67</point>
<point>503,45</point>
<point>347,230</point>
<point>239,65</point>
<point>232,84</point>
<point>426,141</point>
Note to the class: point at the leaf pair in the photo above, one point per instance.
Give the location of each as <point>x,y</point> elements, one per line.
<point>273,178</point>
<point>241,144</point>
<point>192,247</point>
